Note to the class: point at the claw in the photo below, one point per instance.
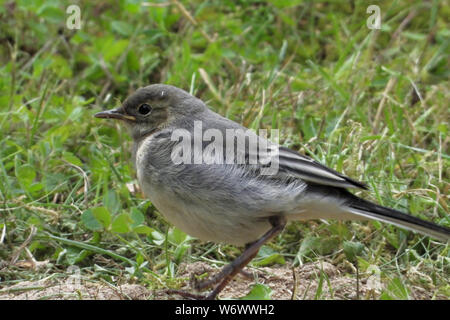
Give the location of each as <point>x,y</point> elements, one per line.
<point>196,283</point>
<point>187,295</point>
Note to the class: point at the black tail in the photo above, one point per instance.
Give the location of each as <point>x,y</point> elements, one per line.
<point>371,210</point>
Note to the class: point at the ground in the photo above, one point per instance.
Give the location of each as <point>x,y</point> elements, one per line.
<point>285,283</point>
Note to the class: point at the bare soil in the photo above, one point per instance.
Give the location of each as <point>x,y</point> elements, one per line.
<point>286,283</point>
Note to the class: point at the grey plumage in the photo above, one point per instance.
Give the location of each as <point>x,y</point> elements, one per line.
<point>232,203</point>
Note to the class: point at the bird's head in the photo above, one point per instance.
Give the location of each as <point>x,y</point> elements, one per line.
<point>152,108</point>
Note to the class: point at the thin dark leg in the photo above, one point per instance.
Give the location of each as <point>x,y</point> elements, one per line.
<point>226,271</point>
<point>200,285</point>
<point>229,271</point>
<point>212,280</point>
<point>247,274</point>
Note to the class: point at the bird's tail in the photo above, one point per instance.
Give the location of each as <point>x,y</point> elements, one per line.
<point>373,211</point>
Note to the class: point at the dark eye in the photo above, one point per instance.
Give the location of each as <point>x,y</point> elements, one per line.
<point>144,109</point>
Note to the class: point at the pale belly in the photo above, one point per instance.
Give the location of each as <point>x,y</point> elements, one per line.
<point>205,220</point>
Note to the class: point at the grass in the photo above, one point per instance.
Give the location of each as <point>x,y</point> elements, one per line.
<point>372,104</point>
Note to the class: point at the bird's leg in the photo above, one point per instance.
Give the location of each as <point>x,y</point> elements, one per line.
<point>203,284</point>
<point>229,271</point>
<point>212,280</point>
<point>247,274</point>
<point>249,253</point>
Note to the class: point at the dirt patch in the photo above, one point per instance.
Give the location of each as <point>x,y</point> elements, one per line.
<point>60,290</point>
<point>303,282</point>
<point>286,283</point>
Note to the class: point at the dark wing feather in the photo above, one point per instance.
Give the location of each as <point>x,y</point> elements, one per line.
<point>310,170</point>
<point>290,163</point>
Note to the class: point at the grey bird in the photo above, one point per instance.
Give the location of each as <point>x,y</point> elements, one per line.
<point>233,202</point>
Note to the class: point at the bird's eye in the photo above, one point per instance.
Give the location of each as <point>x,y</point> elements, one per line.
<point>144,109</point>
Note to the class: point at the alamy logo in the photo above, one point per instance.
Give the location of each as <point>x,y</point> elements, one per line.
<point>74,20</point>
<point>73,282</point>
<point>234,146</point>
<point>374,20</point>
<point>374,280</point>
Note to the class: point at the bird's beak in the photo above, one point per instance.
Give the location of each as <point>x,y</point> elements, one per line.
<point>118,113</point>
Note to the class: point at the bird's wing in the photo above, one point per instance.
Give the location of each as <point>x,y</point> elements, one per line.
<point>308,169</point>
<point>289,162</point>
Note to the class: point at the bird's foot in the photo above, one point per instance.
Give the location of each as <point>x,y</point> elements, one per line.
<point>202,279</point>
<point>187,295</point>
<point>200,284</point>
<point>247,274</point>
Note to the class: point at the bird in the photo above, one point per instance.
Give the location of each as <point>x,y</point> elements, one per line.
<point>205,175</point>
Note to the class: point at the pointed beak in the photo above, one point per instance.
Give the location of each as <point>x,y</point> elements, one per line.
<point>118,113</point>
